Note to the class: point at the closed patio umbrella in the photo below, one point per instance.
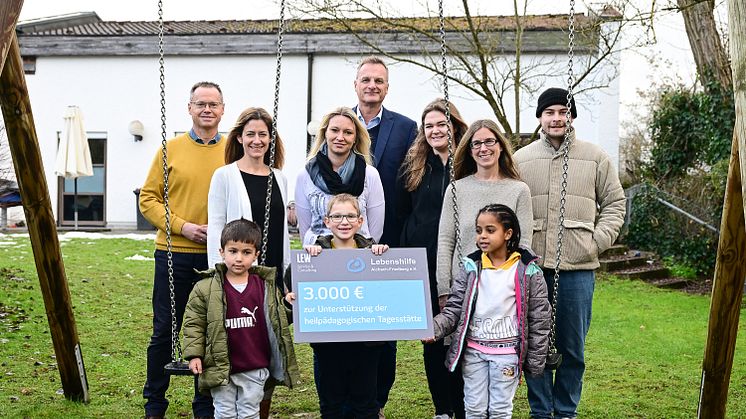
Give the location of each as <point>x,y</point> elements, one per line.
<point>73,155</point>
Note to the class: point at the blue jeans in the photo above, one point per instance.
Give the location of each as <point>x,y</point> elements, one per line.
<point>490,382</point>
<point>159,349</point>
<point>558,392</point>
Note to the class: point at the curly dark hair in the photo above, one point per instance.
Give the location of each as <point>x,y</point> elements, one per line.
<point>505,216</point>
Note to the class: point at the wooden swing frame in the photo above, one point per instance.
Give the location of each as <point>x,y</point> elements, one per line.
<point>730,270</point>
<point>42,228</point>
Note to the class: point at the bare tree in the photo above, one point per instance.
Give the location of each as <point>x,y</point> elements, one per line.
<point>479,56</point>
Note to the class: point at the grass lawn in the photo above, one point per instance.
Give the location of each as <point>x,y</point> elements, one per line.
<point>644,351</point>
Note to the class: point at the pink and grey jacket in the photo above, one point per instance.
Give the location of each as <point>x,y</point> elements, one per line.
<point>532,303</point>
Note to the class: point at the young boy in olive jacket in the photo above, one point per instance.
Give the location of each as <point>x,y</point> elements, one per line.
<point>236,333</point>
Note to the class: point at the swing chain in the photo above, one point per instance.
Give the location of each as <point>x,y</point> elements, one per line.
<point>451,173</point>
<point>273,137</point>
<point>563,191</point>
<point>175,346</point>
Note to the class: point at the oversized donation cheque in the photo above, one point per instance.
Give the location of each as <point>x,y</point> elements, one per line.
<point>353,295</point>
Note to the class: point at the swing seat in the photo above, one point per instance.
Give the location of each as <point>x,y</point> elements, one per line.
<point>554,359</point>
<point>177,368</point>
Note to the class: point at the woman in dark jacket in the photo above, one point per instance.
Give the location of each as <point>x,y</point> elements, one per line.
<point>423,179</point>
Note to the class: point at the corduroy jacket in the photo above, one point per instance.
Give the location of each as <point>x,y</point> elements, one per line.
<point>594,204</point>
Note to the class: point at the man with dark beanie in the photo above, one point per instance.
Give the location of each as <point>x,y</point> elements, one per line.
<point>594,213</point>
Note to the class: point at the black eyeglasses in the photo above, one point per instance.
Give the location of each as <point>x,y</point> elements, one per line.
<point>488,142</point>
<point>337,218</point>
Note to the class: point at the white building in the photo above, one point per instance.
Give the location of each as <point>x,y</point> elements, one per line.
<point>110,70</point>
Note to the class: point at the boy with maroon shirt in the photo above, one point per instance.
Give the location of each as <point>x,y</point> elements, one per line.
<point>236,333</point>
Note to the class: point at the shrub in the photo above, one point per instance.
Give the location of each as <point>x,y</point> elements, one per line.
<point>685,162</point>
<point>654,226</point>
<point>689,130</point>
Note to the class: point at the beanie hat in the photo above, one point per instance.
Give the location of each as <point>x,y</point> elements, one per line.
<point>555,96</point>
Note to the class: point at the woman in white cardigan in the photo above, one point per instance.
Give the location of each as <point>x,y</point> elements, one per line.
<point>239,189</point>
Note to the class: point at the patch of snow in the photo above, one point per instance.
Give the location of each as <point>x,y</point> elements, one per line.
<point>89,235</point>
<point>138,257</point>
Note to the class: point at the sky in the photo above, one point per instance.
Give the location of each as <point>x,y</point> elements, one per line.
<point>672,59</point>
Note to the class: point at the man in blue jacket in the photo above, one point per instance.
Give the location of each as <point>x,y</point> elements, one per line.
<point>391,134</point>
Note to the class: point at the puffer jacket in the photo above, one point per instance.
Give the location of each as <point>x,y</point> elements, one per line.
<point>594,204</point>
<point>532,303</point>
<point>205,336</point>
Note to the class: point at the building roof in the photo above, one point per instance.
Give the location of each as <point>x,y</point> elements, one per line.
<point>88,24</point>
<point>85,34</point>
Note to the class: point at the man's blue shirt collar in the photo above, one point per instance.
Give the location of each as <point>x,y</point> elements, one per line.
<point>373,122</point>
<point>193,135</point>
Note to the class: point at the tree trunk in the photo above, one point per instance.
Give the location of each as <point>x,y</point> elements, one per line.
<point>709,54</point>
<point>730,269</point>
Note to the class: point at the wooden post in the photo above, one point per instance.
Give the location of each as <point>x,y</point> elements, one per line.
<point>730,268</point>
<point>9,12</point>
<point>24,147</point>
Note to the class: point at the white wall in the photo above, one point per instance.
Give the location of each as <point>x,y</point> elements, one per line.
<point>112,91</point>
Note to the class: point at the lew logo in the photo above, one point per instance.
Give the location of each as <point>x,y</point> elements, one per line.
<point>303,258</point>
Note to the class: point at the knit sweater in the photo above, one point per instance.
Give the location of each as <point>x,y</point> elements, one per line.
<point>472,195</point>
<point>190,167</point>
<point>594,204</point>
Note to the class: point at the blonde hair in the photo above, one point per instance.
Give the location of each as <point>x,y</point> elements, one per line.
<point>341,199</point>
<point>362,139</point>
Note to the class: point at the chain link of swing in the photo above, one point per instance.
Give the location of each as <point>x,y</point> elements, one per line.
<point>554,358</point>
<point>176,353</point>
<point>273,136</point>
<point>451,172</point>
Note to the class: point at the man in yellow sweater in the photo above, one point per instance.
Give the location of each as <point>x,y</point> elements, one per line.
<point>192,158</point>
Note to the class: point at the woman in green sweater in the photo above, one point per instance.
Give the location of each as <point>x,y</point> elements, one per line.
<point>485,174</point>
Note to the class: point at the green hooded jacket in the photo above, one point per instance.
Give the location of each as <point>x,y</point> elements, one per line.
<point>205,336</point>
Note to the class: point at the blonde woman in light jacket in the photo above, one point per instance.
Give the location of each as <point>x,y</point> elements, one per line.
<point>239,189</point>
